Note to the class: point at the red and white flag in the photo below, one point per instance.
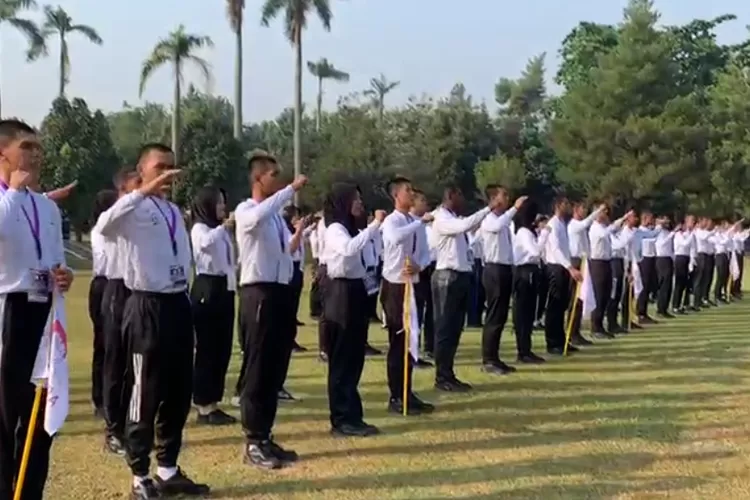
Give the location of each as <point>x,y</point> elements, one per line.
<point>51,367</point>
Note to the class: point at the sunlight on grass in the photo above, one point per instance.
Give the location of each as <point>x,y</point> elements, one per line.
<point>662,413</point>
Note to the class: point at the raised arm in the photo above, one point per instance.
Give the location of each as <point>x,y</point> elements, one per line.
<point>622,239</point>
<point>576,226</point>
<point>250,216</point>
<point>495,224</point>
<point>111,219</point>
<point>339,240</point>
<point>451,226</point>
<point>395,234</point>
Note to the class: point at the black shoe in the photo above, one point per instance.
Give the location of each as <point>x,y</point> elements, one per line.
<point>216,417</point>
<point>712,303</point>
<point>635,326</point>
<point>261,455</point>
<point>555,351</point>
<point>285,395</point>
<point>396,405</point>
<point>114,445</point>
<point>497,368</point>
<point>298,348</point>
<point>602,335</point>
<point>322,357</point>
<point>429,356</point>
<point>572,349</point>
<point>617,330</point>
<point>355,430</point>
<point>695,308</point>
<point>666,315</point>
<point>371,351</point>
<point>286,456</point>
<point>423,363</point>
<point>538,325</point>
<point>180,484</point>
<point>421,405</point>
<point>451,386</point>
<point>299,323</point>
<point>144,491</point>
<point>530,359</point>
<point>724,300</point>
<point>579,340</point>
<point>647,320</point>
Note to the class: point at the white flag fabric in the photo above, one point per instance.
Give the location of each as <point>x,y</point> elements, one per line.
<point>637,281</point>
<point>411,322</point>
<point>587,293</point>
<point>734,267</point>
<point>51,367</point>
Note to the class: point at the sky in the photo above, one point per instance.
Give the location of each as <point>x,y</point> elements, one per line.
<point>427,45</point>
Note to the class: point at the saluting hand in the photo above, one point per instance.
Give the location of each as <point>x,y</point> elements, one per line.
<point>63,278</point>
<point>520,201</point>
<point>19,179</point>
<point>155,185</point>
<point>61,193</point>
<point>299,182</point>
<point>427,218</point>
<point>229,221</point>
<point>380,215</point>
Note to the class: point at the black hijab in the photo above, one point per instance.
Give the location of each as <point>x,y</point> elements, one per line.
<point>203,208</point>
<point>338,206</point>
<point>103,200</point>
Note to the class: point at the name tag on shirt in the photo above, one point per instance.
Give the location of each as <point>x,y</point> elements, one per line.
<point>41,284</point>
<point>371,282</point>
<point>177,275</point>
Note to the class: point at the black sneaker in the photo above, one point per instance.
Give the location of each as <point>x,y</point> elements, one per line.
<point>665,315</point>
<point>421,405</point>
<point>635,326</point>
<point>497,368</point>
<point>371,351</point>
<point>354,430</point>
<point>646,320</point>
<point>216,417</point>
<point>451,386</point>
<point>285,395</point>
<point>423,363</point>
<point>298,348</point>
<point>180,484</point>
<point>396,405</point>
<point>145,490</point>
<point>284,455</point>
<point>600,335</point>
<point>114,445</point>
<point>530,359</point>
<point>580,340</point>
<point>429,356</point>
<point>261,455</point>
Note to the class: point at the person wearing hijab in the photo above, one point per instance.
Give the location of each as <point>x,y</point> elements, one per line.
<point>212,298</point>
<point>346,307</point>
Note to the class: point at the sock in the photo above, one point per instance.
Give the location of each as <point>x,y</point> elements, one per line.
<point>138,480</point>
<point>166,473</point>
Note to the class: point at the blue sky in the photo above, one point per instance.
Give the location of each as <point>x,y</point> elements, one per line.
<point>428,45</point>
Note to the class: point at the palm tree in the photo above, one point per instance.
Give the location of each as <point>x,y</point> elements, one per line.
<point>178,48</point>
<point>9,10</point>
<point>235,9</point>
<point>57,22</point>
<point>295,20</point>
<point>324,70</point>
<point>379,88</point>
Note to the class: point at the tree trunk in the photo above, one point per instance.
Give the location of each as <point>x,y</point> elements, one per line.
<point>62,66</point>
<point>320,103</point>
<point>238,84</point>
<point>176,112</point>
<point>297,104</point>
<point>381,109</point>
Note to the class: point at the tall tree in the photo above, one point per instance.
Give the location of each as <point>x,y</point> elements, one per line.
<point>379,88</point>
<point>324,70</point>
<point>581,50</point>
<point>59,24</point>
<point>295,20</point>
<point>177,48</point>
<point>9,10</point>
<point>235,12</point>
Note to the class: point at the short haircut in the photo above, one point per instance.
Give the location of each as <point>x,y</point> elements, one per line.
<point>418,192</point>
<point>396,183</point>
<point>123,175</point>
<point>492,189</point>
<point>559,200</point>
<point>152,146</point>
<point>450,190</point>
<point>12,128</point>
<point>259,162</point>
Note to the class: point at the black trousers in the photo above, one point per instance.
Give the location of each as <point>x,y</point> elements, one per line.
<point>392,300</point>
<point>96,294</point>
<point>450,298</point>
<point>497,281</point>
<point>542,291</point>
<point>524,305</point>
<point>618,289</point>
<point>557,303</point>
<point>722,275</point>
<point>576,309</point>
<point>681,293</point>
<point>372,300</point>
<point>476,295</point>
<point>322,323</point>
<point>347,318</point>
<point>298,281</point>
<point>737,284</point>
<point>159,331</point>
<point>648,272</point>
<point>22,329</point>
<point>423,295</point>
<point>316,295</point>
<point>116,390</point>
<point>710,268</point>
<point>601,279</point>
<point>665,276</point>
<point>269,324</point>
<point>699,278</point>
<point>213,318</point>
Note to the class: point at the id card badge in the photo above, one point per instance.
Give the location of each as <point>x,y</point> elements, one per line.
<point>177,275</point>
<point>371,282</point>
<point>41,286</point>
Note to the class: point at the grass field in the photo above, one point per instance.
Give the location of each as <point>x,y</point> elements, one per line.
<point>658,414</point>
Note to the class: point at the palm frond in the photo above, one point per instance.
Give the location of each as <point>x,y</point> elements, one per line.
<point>203,66</point>
<point>162,54</point>
<point>88,32</point>
<point>271,9</point>
<point>338,75</point>
<point>313,67</point>
<point>29,29</point>
<point>323,9</point>
<point>197,42</point>
<point>235,9</point>
<point>293,20</point>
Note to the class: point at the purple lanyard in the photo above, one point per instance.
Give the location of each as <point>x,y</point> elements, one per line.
<point>171,226</point>
<point>33,223</point>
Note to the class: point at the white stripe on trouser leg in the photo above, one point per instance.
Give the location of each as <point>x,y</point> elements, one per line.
<point>134,413</point>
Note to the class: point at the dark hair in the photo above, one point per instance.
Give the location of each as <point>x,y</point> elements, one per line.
<point>288,214</point>
<point>152,146</point>
<point>338,206</point>
<point>123,175</point>
<point>527,216</point>
<point>396,183</point>
<point>12,128</point>
<point>103,200</point>
<point>492,189</point>
<point>450,190</point>
<point>203,207</point>
<point>559,200</point>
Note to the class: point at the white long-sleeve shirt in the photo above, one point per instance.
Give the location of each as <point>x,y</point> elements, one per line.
<point>452,240</point>
<point>635,236</point>
<point>320,236</point>
<point>557,246</point>
<point>722,241</point>
<point>213,253</point>
<point>648,244</point>
<point>99,254</point>
<point>495,232</point>
<point>578,234</point>
<point>600,239</point>
<point>526,248</point>
<point>423,255</point>
<point>344,257</point>
<point>154,241</point>
<point>664,243</point>
<point>703,241</point>
<point>263,240</point>
<point>738,240</point>
<point>684,243</point>
<point>400,240</point>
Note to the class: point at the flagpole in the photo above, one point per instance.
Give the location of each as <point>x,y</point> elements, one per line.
<point>571,319</point>
<point>407,333</point>
<point>29,440</point>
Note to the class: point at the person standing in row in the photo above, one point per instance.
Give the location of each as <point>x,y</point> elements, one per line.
<point>620,292</point>
<point>738,247</point>
<point>451,281</point>
<point>266,303</point>
<point>647,266</point>
<point>665,254</point>
<point>429,340</point>
<point>422,288</point>
<point>527,254</point>
<point>346,307</point>
<point>540,226</point>
<point>497,278</point>
<point>212,299</point>
<point>476,291</point>
<point>684,249</point>
<point>32,264</point>
<point>157,323</point>
<point>115,391</point>
<point>400,266</point>
<point>102,201</point>
<point>560,271</point>
<point>322,279</point>
<point>704,262</point>
<point>722,244</point>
